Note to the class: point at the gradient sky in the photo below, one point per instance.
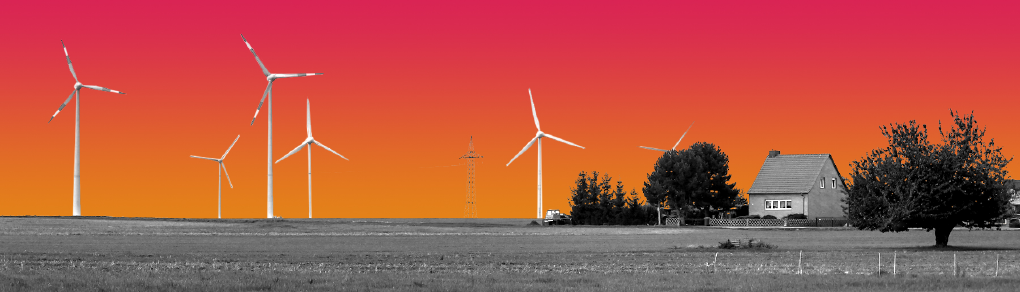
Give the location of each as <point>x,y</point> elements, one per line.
<point>406,84</point>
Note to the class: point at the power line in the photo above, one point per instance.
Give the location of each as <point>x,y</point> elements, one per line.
<point>469,206</point>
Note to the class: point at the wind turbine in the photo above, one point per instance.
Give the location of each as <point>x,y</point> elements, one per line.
<point>677,142</point>
<point>309,141</point>
<point>269,92</point>
<point>219,194</point>
<point>658,208</point>
<point>77,133</point>
<point>538,138</point>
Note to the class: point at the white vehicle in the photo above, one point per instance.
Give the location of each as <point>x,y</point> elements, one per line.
<point>554,217</point>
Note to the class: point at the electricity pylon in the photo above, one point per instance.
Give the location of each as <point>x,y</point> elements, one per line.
<point>469,205</point>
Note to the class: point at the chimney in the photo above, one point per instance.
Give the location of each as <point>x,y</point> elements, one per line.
<point>773,153</point>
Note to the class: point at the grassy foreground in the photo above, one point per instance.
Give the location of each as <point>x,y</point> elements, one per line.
<point>93,280</point>
<point>123,254</point>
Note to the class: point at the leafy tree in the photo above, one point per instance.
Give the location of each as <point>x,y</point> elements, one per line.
<point>914,183</point>
<point>693,180</point>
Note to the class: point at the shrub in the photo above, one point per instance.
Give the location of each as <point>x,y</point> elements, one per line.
<point>1014,223</point>
<point>742,210</point>
<point>749,217</point>
<point>751,243</point>
<point>768,217</point>
<point>726,244</point>
<point>758,244</point>
<point>796,216</point>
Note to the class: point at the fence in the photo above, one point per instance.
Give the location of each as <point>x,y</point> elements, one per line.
<point>886,264</point>
<point>818,222</point>
<point>683,222</point>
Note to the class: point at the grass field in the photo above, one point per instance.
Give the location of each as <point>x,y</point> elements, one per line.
<point>118,254</point>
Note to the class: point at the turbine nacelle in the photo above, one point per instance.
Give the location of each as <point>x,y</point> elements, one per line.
<point>78,85</point>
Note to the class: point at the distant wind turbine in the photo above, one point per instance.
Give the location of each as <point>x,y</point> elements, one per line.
<point>269,92</point>
<point>309,141</point>
<point>659,208</point>
<point>77,133</point>
<point>219,194</point>
<point>538,138</point>
<point>677,142</point>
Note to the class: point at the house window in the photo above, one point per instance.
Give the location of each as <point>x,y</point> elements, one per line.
<point>821,183</point>
<point>834,183</point>
<point>778,204</point>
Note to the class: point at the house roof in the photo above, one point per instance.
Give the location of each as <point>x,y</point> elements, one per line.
<point>786,174</point>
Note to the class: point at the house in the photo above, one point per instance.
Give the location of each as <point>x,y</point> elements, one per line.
<point>806,184</point>
<point>1014,185</point>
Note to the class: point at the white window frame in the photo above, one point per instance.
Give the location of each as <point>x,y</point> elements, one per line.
<point>778,204</point>
<point>821,183</point>
<point>834,183</point>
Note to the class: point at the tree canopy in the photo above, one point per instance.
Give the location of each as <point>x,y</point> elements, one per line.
<point>595,201</point>
<point>693,180</point>
<point>914,183</point>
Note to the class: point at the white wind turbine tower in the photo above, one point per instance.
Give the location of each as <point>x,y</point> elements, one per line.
<point>538,138</point>
<point>77,128</point>
<point>269,92</point>
<point>309,141</point>
<point>219,194</point>
<point>677,142</point>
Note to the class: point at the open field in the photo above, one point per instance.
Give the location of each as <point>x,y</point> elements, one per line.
<point>42,253</point>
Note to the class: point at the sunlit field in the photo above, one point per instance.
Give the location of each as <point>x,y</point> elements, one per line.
<point>93,254</point>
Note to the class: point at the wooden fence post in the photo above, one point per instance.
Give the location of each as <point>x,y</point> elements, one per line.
<point>954,265</point>
<point>716,260</point>
<point>800,259</point>
<point>996,265</point>
<point>894,264</point>
<point>879,264</point>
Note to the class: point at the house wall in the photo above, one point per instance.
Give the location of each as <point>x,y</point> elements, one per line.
<point>756,204</point>
<point>828,201</point>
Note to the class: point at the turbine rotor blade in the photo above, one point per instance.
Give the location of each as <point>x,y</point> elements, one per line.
<point>296,75</point>
<point>533,112</point>
<point>308,116</point>
<point>63,105</point>
<point>292,152</point>
<point>264,93</point>
<point>200,157</point>
<point>327,148</point>
<point>264,70</point>
<point>228,175</point>
<point>69,61</point>
<point>651,148</point>
<point>100,88</point>
<point>682,136</point>
<point>525,149</point>
<point>231,147</point>
<point>564,141</point>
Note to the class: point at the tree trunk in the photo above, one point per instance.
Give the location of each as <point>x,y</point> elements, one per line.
<point>942,234</point>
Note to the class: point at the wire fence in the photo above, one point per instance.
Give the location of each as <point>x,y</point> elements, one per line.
<point>896,263</point>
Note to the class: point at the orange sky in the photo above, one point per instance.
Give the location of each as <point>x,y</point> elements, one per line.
<point>406,84</point>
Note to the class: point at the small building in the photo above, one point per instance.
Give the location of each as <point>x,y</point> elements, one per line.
<point>806,184</point>
<point>1014,185</point>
